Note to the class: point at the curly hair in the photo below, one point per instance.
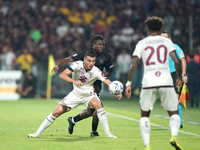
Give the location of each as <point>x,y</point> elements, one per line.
<point>154,23</point>
<point>95,38</point>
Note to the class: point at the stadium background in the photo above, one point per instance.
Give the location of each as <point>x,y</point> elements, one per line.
<point>63,28</point>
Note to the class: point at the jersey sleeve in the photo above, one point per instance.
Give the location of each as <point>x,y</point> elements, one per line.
<point>79,55</point>
<point>171,46</point>
<point>74,66</point>
<point>179,52</point>
<point>109,64</point>
<point>137,51</point>
<point>101,76</point>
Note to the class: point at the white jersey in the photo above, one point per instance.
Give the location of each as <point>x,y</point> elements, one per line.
<point>86,77</point>
<point>154,51</point>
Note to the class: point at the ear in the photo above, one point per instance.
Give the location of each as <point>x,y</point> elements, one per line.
<point>93,45</point>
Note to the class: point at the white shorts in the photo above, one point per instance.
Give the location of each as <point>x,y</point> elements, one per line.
<point>168,98</point>
<point>73,100</point>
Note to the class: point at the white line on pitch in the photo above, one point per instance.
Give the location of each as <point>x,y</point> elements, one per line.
<point>136,120</point>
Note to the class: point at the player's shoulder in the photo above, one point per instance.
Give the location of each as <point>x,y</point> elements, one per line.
<point>79,63</point>
<point>105,53</point>
<point>177,46</point>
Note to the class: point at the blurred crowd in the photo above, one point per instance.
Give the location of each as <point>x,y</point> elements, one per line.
<point>37,28</point>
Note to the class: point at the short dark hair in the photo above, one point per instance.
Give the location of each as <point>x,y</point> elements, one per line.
<point>165,31</point>
<point>154,23</point>
<point>95,38</point>
<point>90,53</point>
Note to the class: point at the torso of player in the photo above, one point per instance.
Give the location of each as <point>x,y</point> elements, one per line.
<point>102,60</point>
<point>86,77</point>
<point>154,51</point>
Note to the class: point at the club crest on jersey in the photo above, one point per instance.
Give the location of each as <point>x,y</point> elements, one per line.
<point>101,61</point>
<point>158,73</point>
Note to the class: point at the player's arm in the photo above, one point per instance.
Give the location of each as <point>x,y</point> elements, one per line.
<point>184,66</point>
<point>108,73</point>
<point>65,76</point>
<point>108,67</point>
<point>131,74</point>
<point>178,68</point>
<point>61,63</point>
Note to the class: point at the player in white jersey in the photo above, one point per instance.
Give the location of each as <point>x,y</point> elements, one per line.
<point>154,51</point>
<point>83,76</point>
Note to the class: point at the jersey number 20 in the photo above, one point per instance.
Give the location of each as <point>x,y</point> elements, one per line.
<point>149,62</point>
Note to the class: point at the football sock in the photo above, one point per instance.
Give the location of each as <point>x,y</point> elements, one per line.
<point>77,118</point>
<point>103,119</point>
<point>174,124</point>
<point>180,112</point>
<point>46,123</point>
<point>145,130</point>
<point>94,126</point>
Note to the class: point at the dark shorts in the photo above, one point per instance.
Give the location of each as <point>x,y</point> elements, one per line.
<point>174,77</point>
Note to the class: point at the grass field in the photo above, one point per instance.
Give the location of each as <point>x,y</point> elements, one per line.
<point>19,118</point>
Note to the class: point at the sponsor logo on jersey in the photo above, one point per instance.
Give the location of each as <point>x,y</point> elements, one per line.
<point>81,71</point>
<point>74,55</point>
<point>181,53</point>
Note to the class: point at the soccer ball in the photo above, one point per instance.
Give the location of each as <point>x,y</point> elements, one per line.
<point>116,87</point>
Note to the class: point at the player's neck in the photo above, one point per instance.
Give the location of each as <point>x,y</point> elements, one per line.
<point>153,33</point>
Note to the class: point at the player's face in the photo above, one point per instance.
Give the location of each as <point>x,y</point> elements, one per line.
<point>89,62</point>
<point>99,46</point>
<point>165,35</point>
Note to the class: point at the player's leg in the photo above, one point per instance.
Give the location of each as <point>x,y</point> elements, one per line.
<point>170,103</point>
<point>96,103</point>
<point>178,91</point>
<point>59,110</point>
<point>95,122</point>
<point>147,100</point>
<point>84,114</point>
<point>174,127</point>
<point>145,128</point>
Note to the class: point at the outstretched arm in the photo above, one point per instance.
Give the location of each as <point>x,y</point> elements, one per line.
<point>184,66</point>
<point>131,74</point>
<point>61,63</point>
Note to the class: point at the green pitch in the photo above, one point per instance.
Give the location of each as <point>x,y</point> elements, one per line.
<point>19,118</point>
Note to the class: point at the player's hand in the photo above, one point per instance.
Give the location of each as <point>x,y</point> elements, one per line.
<point>118,96</point>
<point>128,92</point>
<point>55,69</point>
<point>78,83</point>
<point>185,79</point>
<point>178,83</point>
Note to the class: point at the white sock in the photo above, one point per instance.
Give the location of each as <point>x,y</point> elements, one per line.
<point>103,119</point>
<point>145,130</point>
<point>46,123</point>
<point>174,124</point>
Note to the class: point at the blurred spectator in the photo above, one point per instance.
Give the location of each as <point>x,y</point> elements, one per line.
<point>35,33</point>
<point>27,86</point>
<point>7,58</point>
<point>123,62</point>
<point>68,25</point>
<point>193,84</point>
<point>25,60</point>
